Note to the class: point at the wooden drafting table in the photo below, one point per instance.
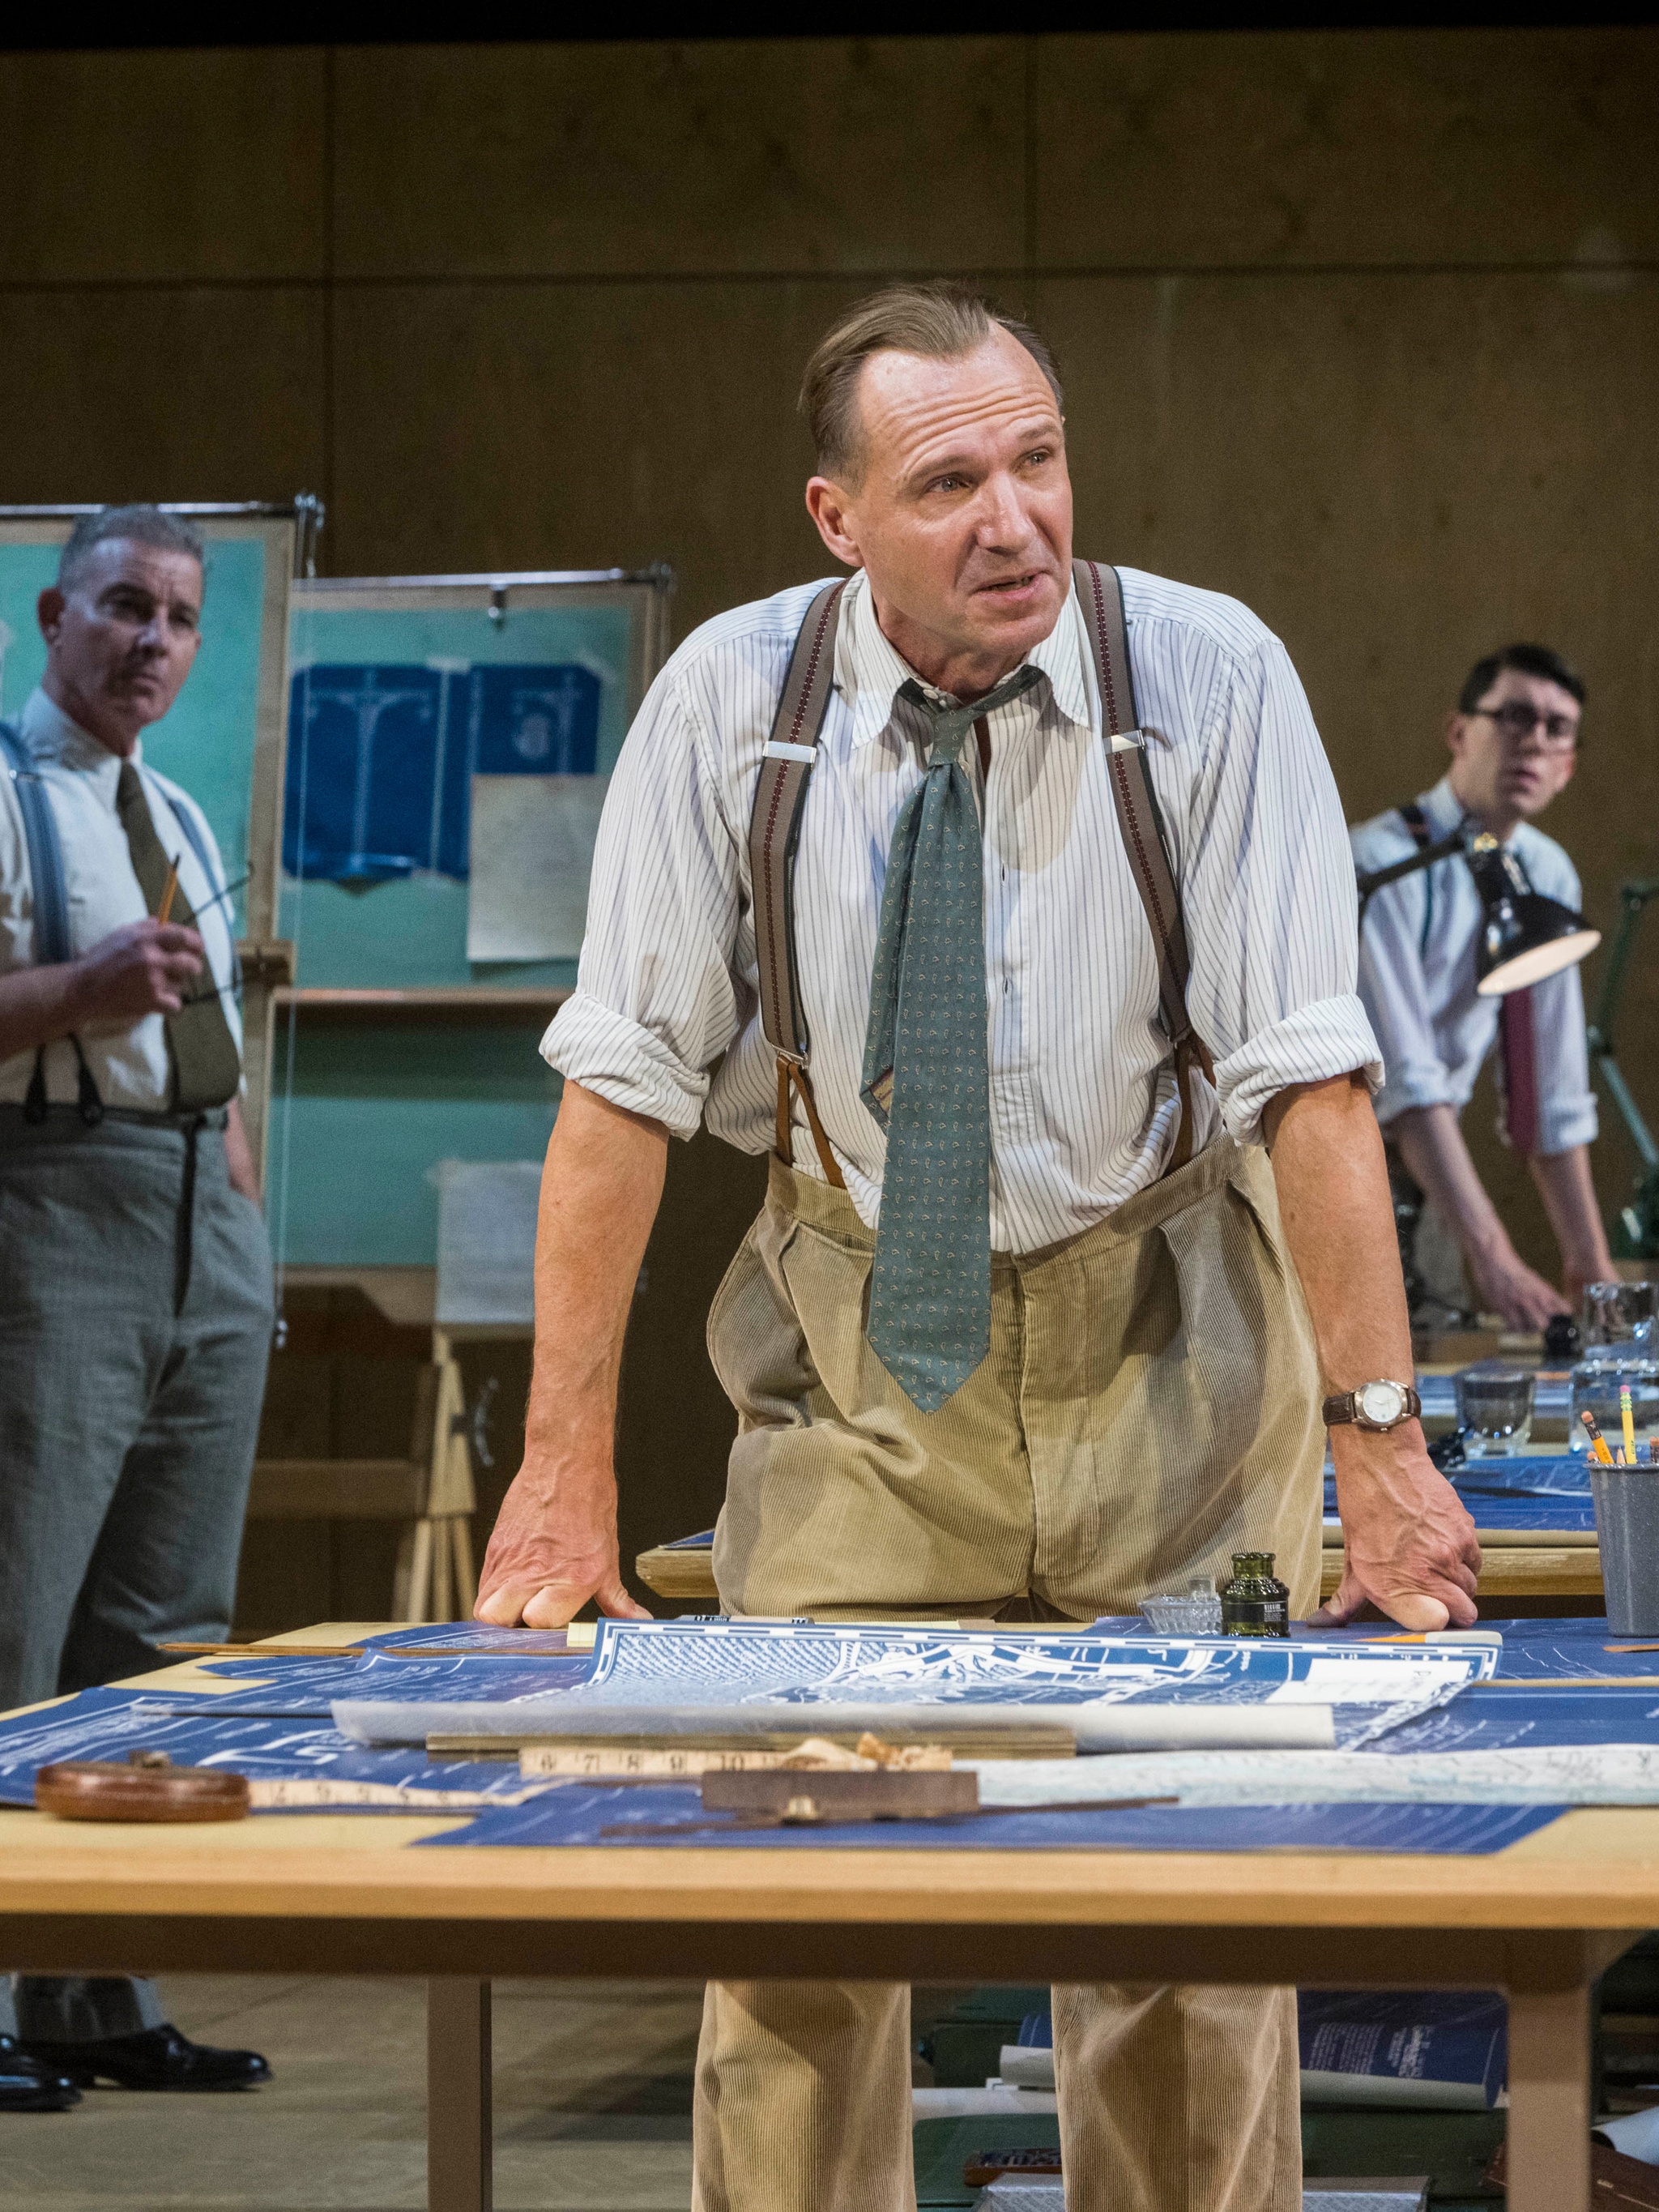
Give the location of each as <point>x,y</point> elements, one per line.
<point>343,1893</point>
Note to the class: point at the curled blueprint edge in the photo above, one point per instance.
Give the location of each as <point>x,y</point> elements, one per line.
<point>1579,1774</point>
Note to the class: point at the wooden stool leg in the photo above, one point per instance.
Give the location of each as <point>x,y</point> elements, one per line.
<point>467,1582</point>
<point>460,2163</point>
<point>441,1571</point>
<point>412,1588</point>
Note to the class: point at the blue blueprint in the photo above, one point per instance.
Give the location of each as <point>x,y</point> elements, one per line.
<point>1489,1718</point>
<point>696,1663</point>
<point>299,1687</point>
<point>110,1724</point>
<point>381,760</point>
<point>1538,1495</point>
<point>578,1813</point>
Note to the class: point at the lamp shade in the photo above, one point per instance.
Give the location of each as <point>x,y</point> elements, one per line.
<point>1525,936</point>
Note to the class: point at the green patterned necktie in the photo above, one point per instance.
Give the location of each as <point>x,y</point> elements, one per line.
<point>927,1072</point>
<point>206,1067</point>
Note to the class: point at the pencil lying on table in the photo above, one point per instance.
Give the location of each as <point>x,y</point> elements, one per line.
<point>1598,1442</point>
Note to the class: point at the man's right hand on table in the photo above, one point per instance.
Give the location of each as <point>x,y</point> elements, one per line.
<point>1409,1545</point>
<point>553,1548</point>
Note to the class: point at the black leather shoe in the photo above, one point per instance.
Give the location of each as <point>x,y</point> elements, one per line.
<point>153,2058</point>
<point>28,2085</point>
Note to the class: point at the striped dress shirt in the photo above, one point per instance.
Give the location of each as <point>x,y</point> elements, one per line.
<point>664,1020</point>
<point>1417,979</point>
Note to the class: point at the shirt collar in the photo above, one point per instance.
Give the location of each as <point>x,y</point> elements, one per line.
<point>869,669</point>
<point>50,734</point>
<point>1443,812</point>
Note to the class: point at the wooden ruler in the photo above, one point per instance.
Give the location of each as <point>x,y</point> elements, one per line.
<point>1028,1741</point>
<point>619,1763</point>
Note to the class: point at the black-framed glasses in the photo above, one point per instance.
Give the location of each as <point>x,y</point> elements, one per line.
<point>1518,722</point>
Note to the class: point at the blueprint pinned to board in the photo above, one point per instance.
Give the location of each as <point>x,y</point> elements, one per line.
<point>675,1677</point>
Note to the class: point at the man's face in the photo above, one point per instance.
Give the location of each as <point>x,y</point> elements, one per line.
<point>962,516</point>
<point>1518,749</point>
<point>122,639</point>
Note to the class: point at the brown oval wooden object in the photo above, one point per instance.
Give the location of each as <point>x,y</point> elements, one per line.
<point>146,1787</point>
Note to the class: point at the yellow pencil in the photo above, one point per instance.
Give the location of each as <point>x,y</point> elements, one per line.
<point>1598,1442</point>
<point>168,888</point>
<point>1629,1420</point>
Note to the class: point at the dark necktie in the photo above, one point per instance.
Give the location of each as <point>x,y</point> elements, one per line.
<point>206,1067</point>
<point>927,1072</point>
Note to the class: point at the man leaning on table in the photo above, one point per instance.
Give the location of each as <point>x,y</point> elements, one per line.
<point>135,1276</point>
<point>1018,1331</point>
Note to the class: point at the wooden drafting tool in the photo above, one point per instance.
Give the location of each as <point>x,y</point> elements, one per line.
<point>964,1740</point>
<point>146,1786</point>
<point>169,892</point>
<point>268,1650</point>
<point>1598,1441</point>
<point>617,1764</point>
<point>1628,1422</point>
<point>835,1794</point>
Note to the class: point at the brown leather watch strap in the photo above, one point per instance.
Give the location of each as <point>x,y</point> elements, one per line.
<point>1344,1406</point>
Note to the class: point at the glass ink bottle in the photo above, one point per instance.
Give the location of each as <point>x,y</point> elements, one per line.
<point>1255,1602</point>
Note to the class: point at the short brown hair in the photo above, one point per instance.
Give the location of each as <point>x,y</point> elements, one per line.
<point>940,321</point>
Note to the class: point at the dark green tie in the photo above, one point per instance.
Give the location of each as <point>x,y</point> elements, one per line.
<point>206,1067</point>
<point>927,1072</point>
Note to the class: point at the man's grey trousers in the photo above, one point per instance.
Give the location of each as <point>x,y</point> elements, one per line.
<point>135,1327</point>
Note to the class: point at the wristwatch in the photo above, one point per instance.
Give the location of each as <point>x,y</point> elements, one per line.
<point>1374,1406</point>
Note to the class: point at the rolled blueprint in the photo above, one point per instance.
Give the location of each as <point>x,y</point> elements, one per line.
<point>1097,1724</point>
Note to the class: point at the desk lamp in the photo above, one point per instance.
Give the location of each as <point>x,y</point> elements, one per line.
<point>1525,936</point>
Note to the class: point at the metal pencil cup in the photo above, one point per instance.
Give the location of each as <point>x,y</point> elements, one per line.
<point>1627,1529</point>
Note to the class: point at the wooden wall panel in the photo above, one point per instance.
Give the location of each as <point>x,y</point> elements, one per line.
<point>1386,147</point>
<point>578,424</point>
<point>152,167</point>
<point>710,158</point>
<point>1398,474</point>
<point>161,393</point>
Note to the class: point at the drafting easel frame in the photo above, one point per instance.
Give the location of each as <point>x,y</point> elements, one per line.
<point>289,531</point>
<point>432,1494</point>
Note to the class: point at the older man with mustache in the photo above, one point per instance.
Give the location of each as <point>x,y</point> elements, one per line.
<point>1006,901</point>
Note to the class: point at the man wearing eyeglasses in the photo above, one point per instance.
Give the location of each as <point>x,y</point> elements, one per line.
<point>1513,742</point>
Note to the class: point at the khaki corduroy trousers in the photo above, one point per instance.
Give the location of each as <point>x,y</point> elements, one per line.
<point>1150,1405</point>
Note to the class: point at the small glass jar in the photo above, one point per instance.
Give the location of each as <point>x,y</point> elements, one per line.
<point>1619,1348</point>
<point>1255,1602</point>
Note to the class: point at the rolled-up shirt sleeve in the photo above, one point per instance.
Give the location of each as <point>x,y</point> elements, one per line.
<point>656,1000</point>
<point>1269,890</point>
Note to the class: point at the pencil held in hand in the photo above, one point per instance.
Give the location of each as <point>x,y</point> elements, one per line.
<point>1598,1441</point>
<point>169,890</point>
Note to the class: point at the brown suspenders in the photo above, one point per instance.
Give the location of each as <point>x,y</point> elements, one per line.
<point>774,837</point>
<point>1142,827</point>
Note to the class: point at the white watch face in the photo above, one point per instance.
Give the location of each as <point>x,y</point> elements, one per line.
<point>1382,1402</point>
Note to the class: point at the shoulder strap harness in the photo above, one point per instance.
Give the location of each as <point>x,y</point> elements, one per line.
<point>50,902</point>
<point>775,838</point>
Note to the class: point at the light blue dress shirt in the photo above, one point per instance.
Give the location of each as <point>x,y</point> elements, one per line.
<point>1417,979</point>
